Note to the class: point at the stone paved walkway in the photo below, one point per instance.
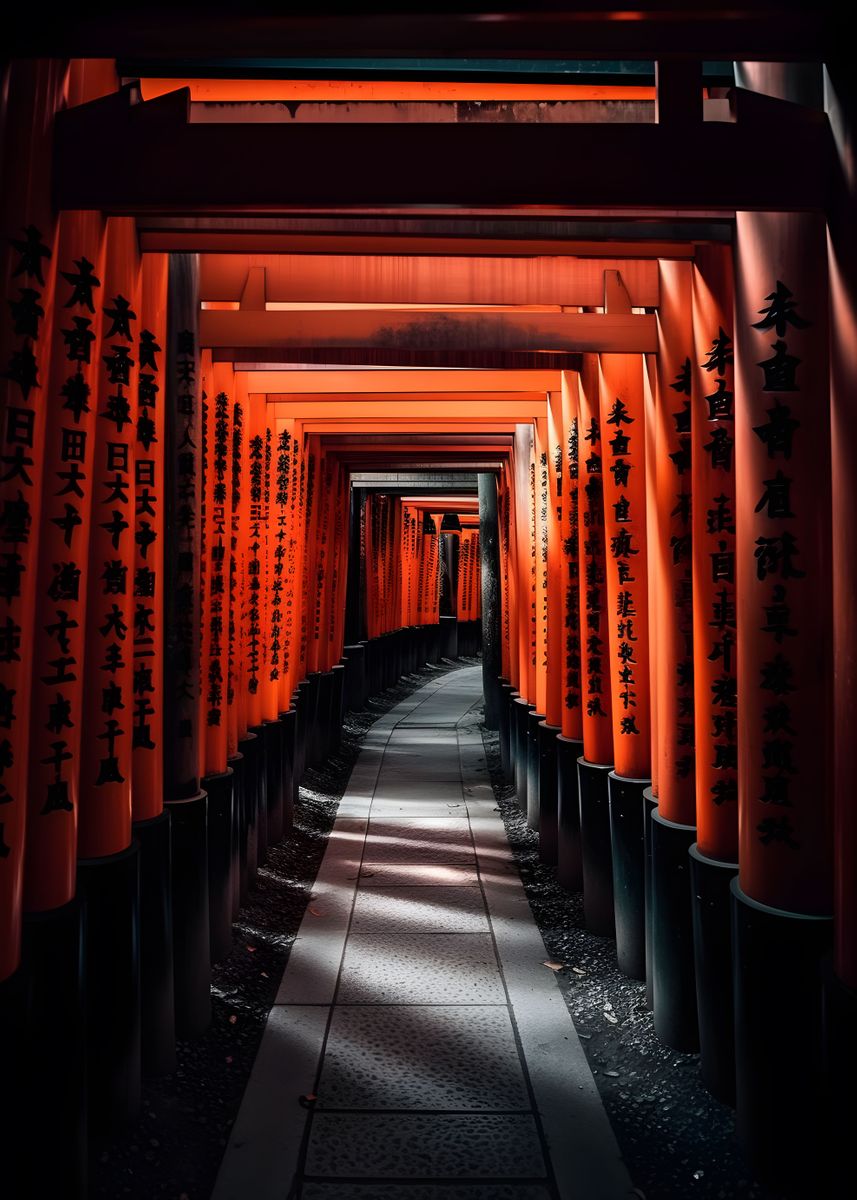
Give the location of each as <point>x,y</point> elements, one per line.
<point>418,1048</point>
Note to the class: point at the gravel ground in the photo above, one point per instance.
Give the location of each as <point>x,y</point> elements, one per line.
<point>174,1149</point>
<point>677,1140</point>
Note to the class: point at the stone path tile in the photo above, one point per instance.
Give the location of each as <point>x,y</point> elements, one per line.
<point>419,910</point>
<point>435,1057</point>
<point>420,968</point>
<point>422,1145</point>
<point>426,874</point>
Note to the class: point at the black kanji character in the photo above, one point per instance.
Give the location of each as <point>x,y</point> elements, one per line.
<point>781,312</point>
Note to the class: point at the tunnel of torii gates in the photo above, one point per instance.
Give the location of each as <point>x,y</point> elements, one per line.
<point>201,571</point>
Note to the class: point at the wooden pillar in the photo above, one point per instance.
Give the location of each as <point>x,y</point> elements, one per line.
<point>489,559</point>
<point>182,676</point>
<point>671,829</point>
<point>623,442</point>
<point>714,859</point>
<point>784,614</point>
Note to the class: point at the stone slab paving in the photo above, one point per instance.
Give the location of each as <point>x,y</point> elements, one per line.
<point>418,1048</point>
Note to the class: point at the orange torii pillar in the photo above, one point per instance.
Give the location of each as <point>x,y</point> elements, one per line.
<point>243,747</point>
<point>524,566</point>
<point>277,770</point>
<point>841,995</point>
<point>565,421</point>
<point>623,441</point>
<point>552,604</point>
<point>307,689</point>
<point>671,825</point>
<point>714,857</point>
<point>187,802</point>
<point>596,762</point>
<point>542,725</point>
<point>217,775</point>
<point>336,606</point>
<point>324,551</point>
<point>450,549</point>
<point>285,471</point>
<point>508,650</point>
<point>487,567</point>
<point>782,899</point>
<point>108,857</point>
<point>52,922</point>
<point>293,503</point>
<point>33,92</point>
<point>151,820</point>
<point>253,605</point>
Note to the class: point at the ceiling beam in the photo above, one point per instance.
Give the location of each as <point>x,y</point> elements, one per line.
<point>412,333</point>
<point>423,280</point>
<point>310,384</point>
<point>123,155</point>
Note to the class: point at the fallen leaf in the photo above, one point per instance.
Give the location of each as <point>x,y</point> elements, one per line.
<point>233,1020</point>
<point>265,975</point>
<point>316,912</point>
<point>578,970</point>
<point>554,966</point>
<point>251,949</point>
<point>613,1020</point>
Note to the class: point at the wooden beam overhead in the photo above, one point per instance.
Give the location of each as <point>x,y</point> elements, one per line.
<point>423,280</point>
<point>121,154</point>
<point>245,334</point>
<point>374,382</point>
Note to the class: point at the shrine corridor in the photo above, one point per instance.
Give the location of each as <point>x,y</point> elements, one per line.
<point>417,1041</point>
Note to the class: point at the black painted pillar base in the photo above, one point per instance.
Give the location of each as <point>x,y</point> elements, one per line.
<point>568,856</point>
<point>355,677</point>
<point>548,836</point>
<point>520,713</point>
<point>157,984</point>
<point>43,1104</point>
<point>673,975</point>
<point>220,882</point>
<point>512,696</point>
<point>711,899</point>
<point>370,658</point>
<point>449,637</point>
<point>312,701</point>
<point>274,780</point>
<point>782,1114</point>
<point>109,889</point>
<point>323,717</point>
<point>627,824</point>
<point>337,707</point>
<point>595,850</point>
<point>840,1043</point>
<point>248,747</point>
<point>261,793</point>
<point>237,764</point>
<point>435,646</point>
<point>650,803</point>
<point>503,692</point>
<point>534,720</point>
<point>300,702</point>
<point>289,721</point>
<point>192,960</point>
